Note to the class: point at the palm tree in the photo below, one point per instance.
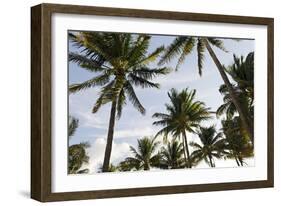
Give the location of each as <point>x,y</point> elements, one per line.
<point>126,166</point>
<point>242,72</point>
<point>145,156</point>
<point>73,125</point>
<point>236,144</point>
<point>182,46</point>
<point>184,114</point>
<point>77,156</point>
<point>228,108</point>
<point>119,62</point>
<point>210,148</point>
<point>172,155</point>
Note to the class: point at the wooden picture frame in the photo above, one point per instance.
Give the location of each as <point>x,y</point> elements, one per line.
<point>41,117</point>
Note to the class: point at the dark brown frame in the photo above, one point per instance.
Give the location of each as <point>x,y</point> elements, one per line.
<point>41,101</point>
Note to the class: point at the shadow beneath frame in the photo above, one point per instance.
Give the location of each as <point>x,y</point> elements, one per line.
<point>24,193</point>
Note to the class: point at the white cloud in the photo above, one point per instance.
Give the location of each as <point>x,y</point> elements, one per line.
<point>180,78</point>
<point>96,153</point>
<point>87,119</point>
<point>135,132</point>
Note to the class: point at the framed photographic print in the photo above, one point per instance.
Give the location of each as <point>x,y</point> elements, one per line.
<point>132,102</point>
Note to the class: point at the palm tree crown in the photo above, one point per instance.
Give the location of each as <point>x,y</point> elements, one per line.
<point>236,143</point>
<point>242,72</point>
<point>182,46</point>
<point>121,61</point>
<point>172,155</point>
<point>210,148</point>
<point>144,157</point>
<point>184,114</point>
<point>77,156</point>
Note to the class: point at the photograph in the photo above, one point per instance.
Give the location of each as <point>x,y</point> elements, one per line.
<point>131,102</point>
<point>142,102</point>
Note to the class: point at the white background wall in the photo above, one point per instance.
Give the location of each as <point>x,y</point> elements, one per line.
<point>15,102</point>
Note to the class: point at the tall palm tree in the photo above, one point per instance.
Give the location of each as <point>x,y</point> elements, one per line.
<point>236,144</point>
<point>182,46</point>
<point>172,155</point>
<point>184,114</point>
<point>144,157</point>
<point>119,62</point>
<point>210,147</point>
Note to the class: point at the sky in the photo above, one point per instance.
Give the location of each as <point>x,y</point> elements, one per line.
<point>132,125</point>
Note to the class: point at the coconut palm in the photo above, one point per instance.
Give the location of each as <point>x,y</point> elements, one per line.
<point>77,156</point>
<point>242,72</point>
<point>184,114</point>
<point>119,62</point>
<point>73,125</point>
<point>210,146</point>
<point>229,109</point>
<point>172,155</point>
<point>144,157</point>
<point>126,166</point>
<point>236,144</point>
<point>182,46</point>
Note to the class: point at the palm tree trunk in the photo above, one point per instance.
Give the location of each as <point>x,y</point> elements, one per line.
<point>248,126</point>
<point>108,147</point>
<point>146,166</point>
<point>72,171</point>
<point>211,162</point>
<point>237,162</point>
<point>184,151</point>
<point>241,161</point>
<point>187,150</point>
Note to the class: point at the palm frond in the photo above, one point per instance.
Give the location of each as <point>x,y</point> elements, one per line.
<point>151,57</point>
<point>84,62</point>
<point>217,43</point>
<point>139,81</point>
<point>105,96</point>
<point>133,98</point>
<point>187,49</point>
<point>95,81</point>
<point>200,55</point>
<point>147,73</point>
<point>173,50</point>
<point>139,49</point>
<point>73,125</point>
